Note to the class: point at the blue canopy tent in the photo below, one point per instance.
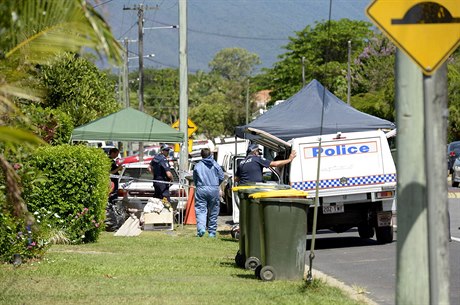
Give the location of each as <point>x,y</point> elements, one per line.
<point>300,116</point>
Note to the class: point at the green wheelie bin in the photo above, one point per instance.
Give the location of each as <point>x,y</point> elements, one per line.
<point>283,234</point>
<point>248,255</point>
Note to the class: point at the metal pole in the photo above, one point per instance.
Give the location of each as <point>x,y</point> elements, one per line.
<point>303,71</point>
<point>126,75</point>
<point>247,103</point>
<point>349,73</point>
<point>412,246</point>
<point>435,103</point>
<point>126,145</point>
<point>140,14</point>
<point>183,88</point>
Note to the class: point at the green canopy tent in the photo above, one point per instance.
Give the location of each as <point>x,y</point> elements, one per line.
<point>128,125</point>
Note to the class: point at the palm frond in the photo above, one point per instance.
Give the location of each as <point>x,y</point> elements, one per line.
<point>50,27</point>
<point>17,136</point>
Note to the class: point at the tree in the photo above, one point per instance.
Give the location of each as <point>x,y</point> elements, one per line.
<point>211,116</point>
<point>325,49</point>
<point>161,94</point>
<point>454,97</point>
<point>373,78</point>
<point>234,64</point>
<point>77,87</point>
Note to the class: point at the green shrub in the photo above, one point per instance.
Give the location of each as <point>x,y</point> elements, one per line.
<point>74,190</point>
<point>52,125</point>
<point>19,238</point>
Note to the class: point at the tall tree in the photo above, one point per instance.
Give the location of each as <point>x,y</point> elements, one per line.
<point>324,47</point>
<point>77,87</point>
<point>234,64</point>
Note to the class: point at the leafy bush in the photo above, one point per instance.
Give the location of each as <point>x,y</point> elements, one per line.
<point>19,238</point>
<point>52,125</point>
<point>74,190</point>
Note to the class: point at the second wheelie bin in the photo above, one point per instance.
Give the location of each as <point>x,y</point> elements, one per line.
<point>248,255</point>
<point>283,234</point>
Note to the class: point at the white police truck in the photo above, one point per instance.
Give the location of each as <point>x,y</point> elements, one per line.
<point>356,179</point>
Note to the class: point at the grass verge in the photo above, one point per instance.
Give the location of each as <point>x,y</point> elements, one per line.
<point>157,267</point>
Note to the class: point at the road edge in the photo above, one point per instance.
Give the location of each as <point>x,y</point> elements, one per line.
<point>352,293</point>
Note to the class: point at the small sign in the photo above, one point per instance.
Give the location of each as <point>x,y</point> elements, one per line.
<point>427,31</point>
<point>190,125</point>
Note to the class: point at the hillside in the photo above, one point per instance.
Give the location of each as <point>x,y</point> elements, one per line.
<point>260,26</point>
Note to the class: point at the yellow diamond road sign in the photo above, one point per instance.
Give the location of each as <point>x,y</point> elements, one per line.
<point>191,127</point>
<point>427,31</point>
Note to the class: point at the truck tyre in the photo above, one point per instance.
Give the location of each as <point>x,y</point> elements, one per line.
<point>365,231</point>
<point>384,234</point>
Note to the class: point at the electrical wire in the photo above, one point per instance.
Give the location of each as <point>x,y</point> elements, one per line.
<point>108,1</point>
<point>226,35</point>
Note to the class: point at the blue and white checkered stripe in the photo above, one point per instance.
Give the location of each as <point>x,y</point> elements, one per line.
<point>341,182</point>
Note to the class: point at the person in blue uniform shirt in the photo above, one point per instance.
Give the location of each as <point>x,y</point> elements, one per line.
<point>162,175</point>
<point>250,169</point>
<point>207,177</point>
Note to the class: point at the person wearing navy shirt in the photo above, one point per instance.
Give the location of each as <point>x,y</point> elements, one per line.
<point>251,168</point>
<point>162,175</point>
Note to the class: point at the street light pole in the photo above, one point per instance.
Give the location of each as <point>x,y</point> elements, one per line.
<point>349,73</point>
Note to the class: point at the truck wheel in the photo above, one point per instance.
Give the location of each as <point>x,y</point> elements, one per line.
<point>384,234</point>
<point>365,231</point>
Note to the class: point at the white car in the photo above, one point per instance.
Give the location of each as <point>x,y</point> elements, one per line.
<point>136,187</point>
<point>456,172</point>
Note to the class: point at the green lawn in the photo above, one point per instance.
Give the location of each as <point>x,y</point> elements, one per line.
<point>157,267</point>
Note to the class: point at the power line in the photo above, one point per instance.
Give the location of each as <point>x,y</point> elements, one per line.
<point>96,5</point>
<point>225,35</point>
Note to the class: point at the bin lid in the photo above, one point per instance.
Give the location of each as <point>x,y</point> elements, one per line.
<point>291,193</point>
<point>260,186</point>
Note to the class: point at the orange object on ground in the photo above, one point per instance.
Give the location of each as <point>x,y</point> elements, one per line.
<point>190,215</point>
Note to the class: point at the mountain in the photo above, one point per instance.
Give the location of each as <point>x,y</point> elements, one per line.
<point>260,26</point>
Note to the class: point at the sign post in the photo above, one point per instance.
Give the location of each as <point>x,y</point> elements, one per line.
<point>428,32</point>
<point>191,128</point>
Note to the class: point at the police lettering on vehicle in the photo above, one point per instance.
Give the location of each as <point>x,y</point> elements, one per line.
<point>338,150</point>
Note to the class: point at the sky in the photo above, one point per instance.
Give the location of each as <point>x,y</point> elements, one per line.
<point>262,27</point>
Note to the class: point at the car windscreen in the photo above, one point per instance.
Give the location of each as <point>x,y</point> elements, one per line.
<point>136,173</point>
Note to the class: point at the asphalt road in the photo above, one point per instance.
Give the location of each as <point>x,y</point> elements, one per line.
<point>371,266</point>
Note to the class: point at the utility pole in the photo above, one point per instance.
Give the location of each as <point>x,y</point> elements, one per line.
<point>183,88</point>
<point>140,50</point>
<point>349,73</point>
<point>140,22</point>
<point>422,247</point>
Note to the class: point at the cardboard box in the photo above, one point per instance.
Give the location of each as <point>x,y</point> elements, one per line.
<point>162,221</point>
